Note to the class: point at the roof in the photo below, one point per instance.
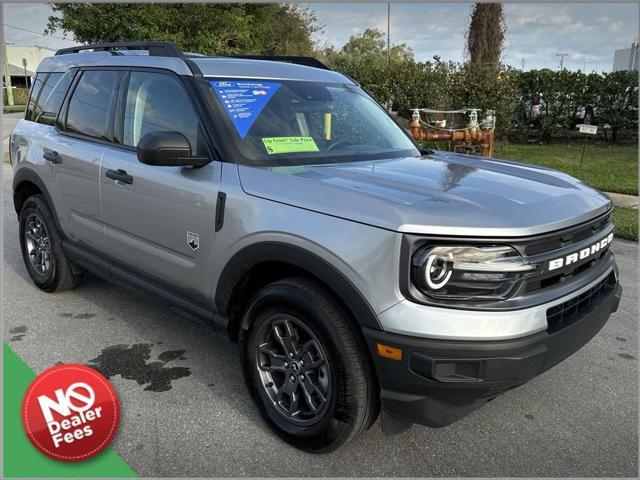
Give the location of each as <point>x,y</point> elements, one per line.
<point>15,70</point>
<point>253,68</point>
<point>210,66</point>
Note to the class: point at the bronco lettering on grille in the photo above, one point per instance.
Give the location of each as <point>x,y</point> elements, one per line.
<point>580,255</point>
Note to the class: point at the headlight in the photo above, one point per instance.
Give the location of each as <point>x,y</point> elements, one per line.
<point>468,272</point>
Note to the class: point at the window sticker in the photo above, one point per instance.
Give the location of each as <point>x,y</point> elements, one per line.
<point>289,145</point>
<point>244,100</point>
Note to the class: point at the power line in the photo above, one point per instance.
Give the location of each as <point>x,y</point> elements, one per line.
<point>36,33</point>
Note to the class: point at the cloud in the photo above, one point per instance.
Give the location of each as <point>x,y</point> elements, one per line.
<point>536,32</point>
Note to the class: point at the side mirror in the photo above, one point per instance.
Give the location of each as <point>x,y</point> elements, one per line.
<point>169,149</point>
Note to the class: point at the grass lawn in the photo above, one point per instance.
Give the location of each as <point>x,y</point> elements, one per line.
<point>612,169</point>
<point>626,221</point>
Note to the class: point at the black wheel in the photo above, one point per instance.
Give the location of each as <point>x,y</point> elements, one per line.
<point>41,247</point>
<point>306,368</point>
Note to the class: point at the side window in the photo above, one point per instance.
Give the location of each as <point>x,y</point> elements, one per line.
<point>40,92</point>
<point>88,110</point>
<point>158,103</point>
<point>57,89</point>
<point>33,96</point>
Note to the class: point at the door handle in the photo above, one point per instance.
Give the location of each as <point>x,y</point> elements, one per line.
<point>52,156</point>
<point>119,175</point>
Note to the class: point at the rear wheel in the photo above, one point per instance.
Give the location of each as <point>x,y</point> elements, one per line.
<point>305,367</point>
<point>41,247</point>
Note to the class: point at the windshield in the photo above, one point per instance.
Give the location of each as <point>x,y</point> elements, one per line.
<point>296,122</point>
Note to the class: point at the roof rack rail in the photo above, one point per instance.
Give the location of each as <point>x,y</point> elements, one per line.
<point>170,49</point>
<point>156,49</point>
<point>306,61</point>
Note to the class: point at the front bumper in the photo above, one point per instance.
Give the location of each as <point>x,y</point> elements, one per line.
<point>437,382</point>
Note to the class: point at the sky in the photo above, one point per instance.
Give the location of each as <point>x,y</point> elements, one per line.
<point>536,32</point>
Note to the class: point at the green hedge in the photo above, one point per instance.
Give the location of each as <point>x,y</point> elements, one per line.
<point>405,83</point>
<point>613,96</point>
<point>20,96</point>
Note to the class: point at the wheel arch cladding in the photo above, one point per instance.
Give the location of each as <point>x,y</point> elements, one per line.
<point>262,263</point>
<point>27,183</point>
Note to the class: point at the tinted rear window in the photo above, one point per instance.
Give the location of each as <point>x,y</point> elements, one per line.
<point>34,95</point>
<point>89,104</point>
<point>47,94</point>
<point>40,92</point>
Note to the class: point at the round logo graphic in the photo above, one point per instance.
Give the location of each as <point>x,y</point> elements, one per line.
<point>70,413</point>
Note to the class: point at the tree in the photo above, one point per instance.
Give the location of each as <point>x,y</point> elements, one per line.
<point>364,58</point>
<point>617,102</point>
<point>485,35</point>
<point>211,29</point>
<point>372,43</point>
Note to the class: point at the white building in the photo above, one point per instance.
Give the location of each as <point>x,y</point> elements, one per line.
<point>627,58</point>
<point>23,62</point>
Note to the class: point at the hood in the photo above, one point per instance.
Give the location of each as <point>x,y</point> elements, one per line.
<point>438,194</point>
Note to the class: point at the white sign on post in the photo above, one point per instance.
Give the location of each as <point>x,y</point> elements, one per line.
<point>589,129</point>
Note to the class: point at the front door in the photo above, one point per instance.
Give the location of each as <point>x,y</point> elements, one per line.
<point>159,221</point>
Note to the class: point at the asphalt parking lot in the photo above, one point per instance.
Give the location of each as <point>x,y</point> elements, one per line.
<point>186,412</point>
<point>9,120</point>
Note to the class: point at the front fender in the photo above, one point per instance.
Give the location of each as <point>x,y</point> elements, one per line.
<point>273,251</point>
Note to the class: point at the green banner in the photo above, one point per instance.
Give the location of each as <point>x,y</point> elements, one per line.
<point>21,459</point>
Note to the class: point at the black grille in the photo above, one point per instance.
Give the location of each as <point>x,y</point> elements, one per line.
<point>568,312</point>
<point>567,237</point>
<point>560,244</point>
<point>550,279</point>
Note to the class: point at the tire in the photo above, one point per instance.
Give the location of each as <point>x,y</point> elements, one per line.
<point>321,336</point>
<point>41,246</point>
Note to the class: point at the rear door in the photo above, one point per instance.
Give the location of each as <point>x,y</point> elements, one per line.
<point>76,151</point>
<point>68,164</point>
<point>160,220</point>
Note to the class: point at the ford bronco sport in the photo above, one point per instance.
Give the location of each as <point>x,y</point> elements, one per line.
<point>277,202</point>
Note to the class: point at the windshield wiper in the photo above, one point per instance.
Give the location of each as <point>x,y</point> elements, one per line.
<point>425,151</point>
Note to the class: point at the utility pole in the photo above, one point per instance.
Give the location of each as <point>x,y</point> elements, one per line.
<point>523,64</point>
<point>7,74</point>
<point>562,55</point>
<point>388,32</point>
<point>26,77</point>
<point>389,102</point>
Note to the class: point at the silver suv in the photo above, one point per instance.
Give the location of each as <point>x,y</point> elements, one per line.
<point>276,201</point>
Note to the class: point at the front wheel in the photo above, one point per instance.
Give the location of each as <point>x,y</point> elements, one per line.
<point>306,368</point>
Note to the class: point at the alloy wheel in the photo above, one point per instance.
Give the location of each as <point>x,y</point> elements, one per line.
<point>293,369</point>
<point>38,244</point>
